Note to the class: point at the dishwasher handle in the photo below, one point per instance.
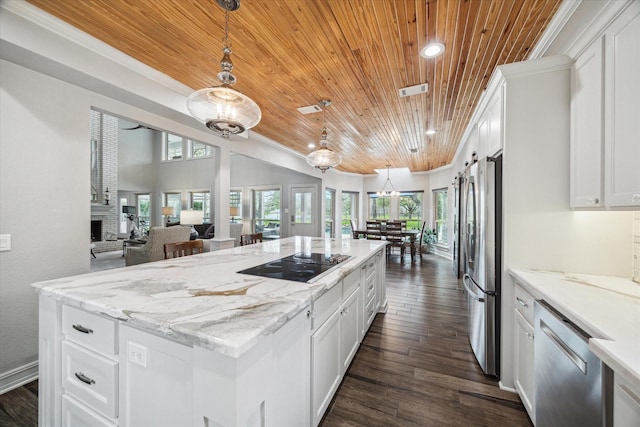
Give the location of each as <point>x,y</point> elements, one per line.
<point>566,350</point>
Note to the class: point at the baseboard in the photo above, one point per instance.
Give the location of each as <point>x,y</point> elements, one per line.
<point>18,377</point>
<point>505,388</point>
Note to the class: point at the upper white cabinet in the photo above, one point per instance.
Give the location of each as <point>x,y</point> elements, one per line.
<point>605,117</point>
<point>490,135</point>
<point>586,128</point>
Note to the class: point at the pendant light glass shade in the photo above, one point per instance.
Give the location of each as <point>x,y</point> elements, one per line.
<point>324,158</point>
<point>223,109</point>
<point>387,188</point>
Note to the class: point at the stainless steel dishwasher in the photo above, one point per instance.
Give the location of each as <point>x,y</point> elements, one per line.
<point>573,387</point>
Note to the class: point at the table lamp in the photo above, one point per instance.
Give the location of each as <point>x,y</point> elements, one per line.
<point>167,211</point>
<point>191,217</point>
<point>233,212</point>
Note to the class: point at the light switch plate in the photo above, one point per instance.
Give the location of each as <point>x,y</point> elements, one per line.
<point>5,242</point>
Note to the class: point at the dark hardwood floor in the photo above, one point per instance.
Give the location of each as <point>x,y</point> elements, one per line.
<point>414,368</point>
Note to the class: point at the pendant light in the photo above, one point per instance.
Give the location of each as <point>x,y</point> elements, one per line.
<point>387,188</point>
<point>324,158</point>
<point>222,109</point>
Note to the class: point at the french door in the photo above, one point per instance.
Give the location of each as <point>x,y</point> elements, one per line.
<point>303,214</point>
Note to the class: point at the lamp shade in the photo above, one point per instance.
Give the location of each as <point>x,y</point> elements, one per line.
<point>167,210</point>
<point>234,211</point>
<point>191,217</point>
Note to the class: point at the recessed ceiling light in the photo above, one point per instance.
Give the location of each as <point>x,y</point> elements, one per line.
<point>311,145</point>
<point>432,50</point>
<point>431,132</point>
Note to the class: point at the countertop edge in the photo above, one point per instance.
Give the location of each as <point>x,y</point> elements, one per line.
<point>611,352</point>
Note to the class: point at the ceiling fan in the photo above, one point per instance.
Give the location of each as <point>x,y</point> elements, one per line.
<point>139,127</point>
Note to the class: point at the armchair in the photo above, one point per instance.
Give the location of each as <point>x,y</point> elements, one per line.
<point>153,250</point>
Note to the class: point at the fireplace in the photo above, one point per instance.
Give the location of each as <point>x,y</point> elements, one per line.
<point>96,230</point>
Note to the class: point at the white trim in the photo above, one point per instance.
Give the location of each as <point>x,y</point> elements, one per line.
<point>557,23</point>
<point>18,377</point>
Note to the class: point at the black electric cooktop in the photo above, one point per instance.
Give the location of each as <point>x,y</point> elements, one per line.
<point>300,267</point>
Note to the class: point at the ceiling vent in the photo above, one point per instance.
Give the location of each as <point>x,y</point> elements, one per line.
<point>413,90</point>
<point>310,109</point>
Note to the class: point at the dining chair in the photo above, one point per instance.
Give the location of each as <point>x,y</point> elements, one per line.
<point>417,244</point>
<point>180,249</point>
<point>354,227</point>
<point>395,238</point>
<point>249,239</point>
<point>374,230</point>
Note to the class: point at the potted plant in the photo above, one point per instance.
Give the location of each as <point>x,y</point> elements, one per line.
<point>429,237</point>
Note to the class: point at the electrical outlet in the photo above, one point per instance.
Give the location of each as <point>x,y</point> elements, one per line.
<point>5,242</point>
<point>137,354</point>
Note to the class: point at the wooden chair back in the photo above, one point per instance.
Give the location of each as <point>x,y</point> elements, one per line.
<point>249,239</point>
<point>394,236</point>
<point>180,249</point>
<point>354,227</point>
<point>374,230</point>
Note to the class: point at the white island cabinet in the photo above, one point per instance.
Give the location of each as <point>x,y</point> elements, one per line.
<point>191,342</point>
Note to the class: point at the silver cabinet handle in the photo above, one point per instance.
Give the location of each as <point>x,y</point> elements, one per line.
<point>85,379</point>
<point>572,355</point>
<point>530,336</point>
<point>82,329</point>
<point>593,201</point>
<point>522,303</point>
<point>311,314</point>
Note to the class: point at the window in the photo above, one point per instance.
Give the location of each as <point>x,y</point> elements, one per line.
<point>201,201</point>
<point>235,205</point>
<point>198,150</point>
<point>349,211</point>
<point>440,207</point>
<point>143,202</point>
<point>172,147</point>
<point>329,211</point>
<point>378,206</point>
<point>173,200</point>
<point>266,212</point>
<point>410,205</point>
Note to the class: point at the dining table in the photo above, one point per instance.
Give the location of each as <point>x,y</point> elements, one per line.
<point>411,234</point>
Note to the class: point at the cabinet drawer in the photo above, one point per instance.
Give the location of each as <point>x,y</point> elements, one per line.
<point>523,302</point>
<point>324,306</point>
<point>370,267</point>
<point>350,282</point>
<point>90,378</point>
<point>75,413</point>
<point>89,330</point>
<point>370,313</point>
<point>370,288</point>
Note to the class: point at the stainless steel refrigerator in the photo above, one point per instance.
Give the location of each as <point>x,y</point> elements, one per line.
<point>481,244</point>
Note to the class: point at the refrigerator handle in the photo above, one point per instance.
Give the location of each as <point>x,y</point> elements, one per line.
<point>465,281</point>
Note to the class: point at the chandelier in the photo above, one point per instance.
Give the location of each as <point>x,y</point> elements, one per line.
<point>221,108</point>
<point>324,158</point>
<point>387,188</point>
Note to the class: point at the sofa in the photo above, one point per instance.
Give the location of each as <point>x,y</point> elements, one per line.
<point>153,250</point>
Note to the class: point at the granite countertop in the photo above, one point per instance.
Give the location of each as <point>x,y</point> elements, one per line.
<point>201,300</point>
<point>606,307</point>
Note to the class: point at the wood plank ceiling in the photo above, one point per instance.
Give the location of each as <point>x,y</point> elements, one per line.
<point>357,53</point>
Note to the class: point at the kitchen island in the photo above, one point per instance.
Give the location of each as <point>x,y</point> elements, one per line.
<point>190,341</point>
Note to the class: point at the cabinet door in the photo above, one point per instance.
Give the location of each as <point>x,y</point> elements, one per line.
<point>626,403</point>
<point>494,119</point>
<point>381,284</point>
<point>586,187</point>
<point>350,325</point>
<point>622,120</point>
<point>525,364</point>
<point>326,370</point>
<point>156,386</point>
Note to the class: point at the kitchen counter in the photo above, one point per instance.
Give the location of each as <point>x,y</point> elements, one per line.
<point>607,308</point>
<point>200,300</point>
